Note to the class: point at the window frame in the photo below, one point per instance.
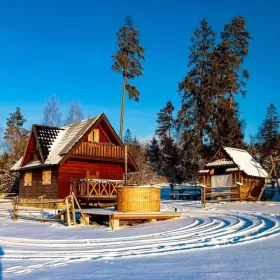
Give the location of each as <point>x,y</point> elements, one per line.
<point>45,180</point>
<point>27,179</point>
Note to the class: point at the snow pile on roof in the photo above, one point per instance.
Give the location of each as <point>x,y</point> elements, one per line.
<point>246,162</point>
<point>204,171</point>
<point>220,162</point>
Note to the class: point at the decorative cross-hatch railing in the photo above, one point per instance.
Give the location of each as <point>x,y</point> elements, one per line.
<point>99,150</point>
<point>95,187</point>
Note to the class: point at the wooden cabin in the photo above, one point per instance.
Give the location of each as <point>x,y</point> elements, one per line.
<point>230,167</point>
<point>86,157</point>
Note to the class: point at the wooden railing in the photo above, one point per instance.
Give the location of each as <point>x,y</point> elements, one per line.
<point>95,188</point>
<point>99,150</point>
<point>227,193</point>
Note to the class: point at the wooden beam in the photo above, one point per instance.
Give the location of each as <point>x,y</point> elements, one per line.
<point>125,165</point>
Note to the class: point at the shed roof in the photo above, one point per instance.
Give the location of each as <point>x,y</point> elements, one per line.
<point>246,162</point>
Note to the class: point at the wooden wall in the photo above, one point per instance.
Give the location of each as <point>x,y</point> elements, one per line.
<point>77,170</point>
<point>30,150</point>
<point>37,189</point>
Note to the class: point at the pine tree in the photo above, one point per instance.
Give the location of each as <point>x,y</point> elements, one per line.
<point>165,120</point>
<point>127,138</point>
<point>15,135</point>
<point>75,113</point>
<point>127,61</point>
<point>16,119</point>
<point>197,90</point>
<point>269,130</point>
<point>171,164</point>
<point>235,48</point>
<point>52,115</point>
<point>228,128</point>
<point>12,148</point>
<point>268,137</point>
<point>154,155</point>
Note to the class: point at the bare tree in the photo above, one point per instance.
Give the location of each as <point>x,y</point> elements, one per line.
<point>75,113</point>
<point>52,115</point>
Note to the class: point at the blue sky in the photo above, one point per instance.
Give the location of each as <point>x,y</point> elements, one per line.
<point>64,48</point>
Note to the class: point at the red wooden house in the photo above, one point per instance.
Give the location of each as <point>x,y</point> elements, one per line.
<point>86,157</point>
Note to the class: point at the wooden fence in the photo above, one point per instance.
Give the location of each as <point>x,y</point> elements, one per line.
<point>227,193</point>
<point>67,215</point>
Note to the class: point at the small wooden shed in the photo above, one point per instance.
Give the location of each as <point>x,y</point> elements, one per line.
<point>230,166</point>
<point>86,157</point>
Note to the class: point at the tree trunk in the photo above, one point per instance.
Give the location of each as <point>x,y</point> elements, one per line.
<point>230,99</point>
<point>122,107</point>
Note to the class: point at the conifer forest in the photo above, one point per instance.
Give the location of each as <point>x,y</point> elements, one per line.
<point>186,137</point>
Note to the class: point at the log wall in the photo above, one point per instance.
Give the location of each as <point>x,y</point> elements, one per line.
<point>71,170</point>
<point>38,189</point>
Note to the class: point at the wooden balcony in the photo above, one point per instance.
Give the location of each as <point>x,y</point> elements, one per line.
<point>87,149</point>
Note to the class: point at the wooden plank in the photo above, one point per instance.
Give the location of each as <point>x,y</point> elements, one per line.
<point>79,207</point>
<point>136,216</point>
<point>73,210</point>
<point>221,193</point>
<point>125,165</point>
<point>67,212</point>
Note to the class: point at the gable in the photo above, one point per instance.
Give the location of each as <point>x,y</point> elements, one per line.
<point>30,150</point>
<point>110,137</point>
<point>221,159</point>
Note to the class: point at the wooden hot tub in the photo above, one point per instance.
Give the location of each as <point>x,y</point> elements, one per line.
<point>138,199</point>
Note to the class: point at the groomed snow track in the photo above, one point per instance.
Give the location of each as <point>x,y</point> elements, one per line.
<point>203,232</point>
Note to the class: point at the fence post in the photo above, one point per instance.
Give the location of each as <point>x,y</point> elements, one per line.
<point>42,210</point>
<point>73,210</point>
<point>15,208</point>
<point>67,212</point>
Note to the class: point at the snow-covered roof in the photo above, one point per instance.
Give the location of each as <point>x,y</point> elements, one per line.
<point>246,162</point>
<point>205,171</point>
<point>61,143</point>
<point>232,169</point>
<point>220,162</point>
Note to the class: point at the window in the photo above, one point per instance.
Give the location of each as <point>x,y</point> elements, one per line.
<point>94,136</point>
<point>47,177</point>
<point>28,179</point>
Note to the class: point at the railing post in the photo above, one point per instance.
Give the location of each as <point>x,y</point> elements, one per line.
<point>15,208</point>
<point>42,210</point>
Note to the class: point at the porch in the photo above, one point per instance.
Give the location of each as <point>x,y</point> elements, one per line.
<point>95,190</point>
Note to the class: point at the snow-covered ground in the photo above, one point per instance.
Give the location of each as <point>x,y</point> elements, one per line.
<point>224,241</point>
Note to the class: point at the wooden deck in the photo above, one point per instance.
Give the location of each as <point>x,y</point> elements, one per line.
<point>115,216</point>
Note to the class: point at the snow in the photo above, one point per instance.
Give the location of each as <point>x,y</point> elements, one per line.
<point>220,162</point>
<point>226,240</point>
<point>246,162</point>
